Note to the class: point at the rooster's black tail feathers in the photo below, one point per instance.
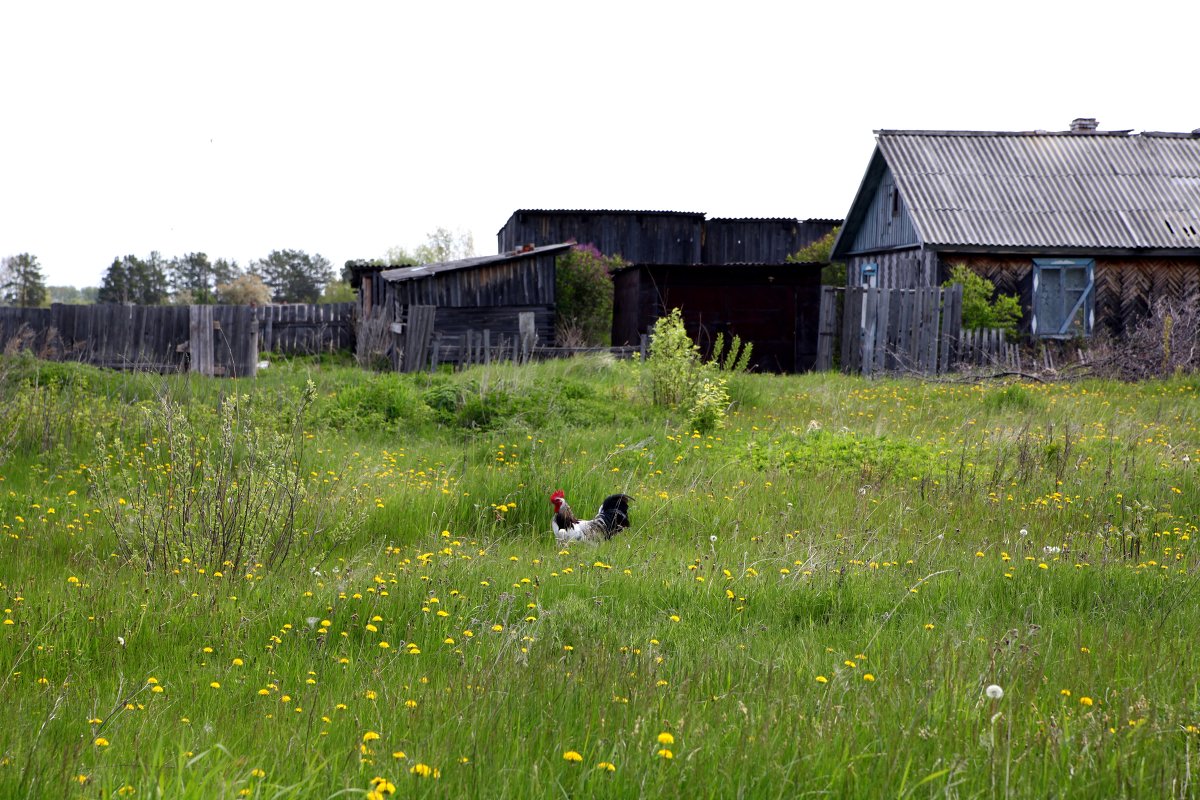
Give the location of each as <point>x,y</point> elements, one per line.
<point>614,514</point>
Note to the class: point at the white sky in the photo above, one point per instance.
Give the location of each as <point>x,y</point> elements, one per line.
<point>237,128</point>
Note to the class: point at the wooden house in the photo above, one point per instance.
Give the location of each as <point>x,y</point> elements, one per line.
<point>773,306</point>
<point>1087,227</point>
<point>445,301</point>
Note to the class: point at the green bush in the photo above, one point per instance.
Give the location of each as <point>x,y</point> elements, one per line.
<point>583,296</point>
<point>679,378</point>
<point>979,310</point>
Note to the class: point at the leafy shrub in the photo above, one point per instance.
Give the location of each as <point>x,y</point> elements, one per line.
<point>979,310</point>
<point>709,405</point>
<point>673,365</point>
<point>583,296</point>
<point>678,377</point>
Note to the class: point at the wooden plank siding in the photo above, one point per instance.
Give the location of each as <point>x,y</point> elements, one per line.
<point>640,237</point>
<point>490,296</point>
<point>513,283</point>
<point>1126,286</point>
<point>774,306</point>
<point>759,241</point>
<point>886,223</point>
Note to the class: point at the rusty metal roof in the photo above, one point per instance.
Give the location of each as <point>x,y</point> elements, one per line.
<point>397,274</point>
<point>1103,190</point>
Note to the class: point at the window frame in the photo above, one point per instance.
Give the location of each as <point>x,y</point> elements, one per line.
<point>1056,269</point>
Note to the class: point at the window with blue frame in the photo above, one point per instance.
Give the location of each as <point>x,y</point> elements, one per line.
<point>1063,297</point>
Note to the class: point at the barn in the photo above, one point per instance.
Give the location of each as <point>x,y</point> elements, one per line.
<point>727,275</point>
<point>1087,227</point>
<point>774,306</point>
<point>404,313</point>
<point>639,237</point>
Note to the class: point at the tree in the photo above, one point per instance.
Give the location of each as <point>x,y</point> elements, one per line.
<point>193,279</point>
<point>338,292</point>
<point>445,245</point>
<point>132,280</point>
<point>246,289</point>
<point>294,276</point>
<point>22,282</point>
<point>583,296</point>
<point>399,257</point>
<point>68,295</point>
<point>819,252</point>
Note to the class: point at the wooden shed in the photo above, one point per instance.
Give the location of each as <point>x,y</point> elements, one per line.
<point>1087,227</point>
<point>406,311</point>
<point>774,306</point>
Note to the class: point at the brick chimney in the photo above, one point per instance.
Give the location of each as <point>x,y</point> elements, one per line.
<point>1084,125</point>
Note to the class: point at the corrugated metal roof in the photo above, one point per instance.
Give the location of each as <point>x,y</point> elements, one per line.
<point>1107,190</point>
<point>398,274</point>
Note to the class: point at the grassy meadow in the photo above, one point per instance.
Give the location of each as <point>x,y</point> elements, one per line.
<point>326,582</point>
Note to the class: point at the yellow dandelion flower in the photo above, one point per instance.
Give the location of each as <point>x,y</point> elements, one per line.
<point>1085,701</point>
<point>822,679</point>
<point>370,736</point>
<point>665,753</point>
<point>572,756</point>
<point>100,742</point>
<point>607,766</point>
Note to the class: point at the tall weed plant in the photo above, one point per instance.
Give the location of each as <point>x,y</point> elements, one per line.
<point>679,378</point>
<point>240,500</point>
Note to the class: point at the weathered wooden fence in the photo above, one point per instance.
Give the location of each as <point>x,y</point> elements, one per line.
<point>904,331</point>
<point>210,340</point>
<point>890,330</point>
<point>988,347</point>
<point>306,329</point>
<point>419,345</point>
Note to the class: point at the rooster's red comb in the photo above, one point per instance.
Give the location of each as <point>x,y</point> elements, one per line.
<point>558,495</point>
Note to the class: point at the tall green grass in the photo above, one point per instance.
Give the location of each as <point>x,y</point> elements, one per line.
<point>938,538</point>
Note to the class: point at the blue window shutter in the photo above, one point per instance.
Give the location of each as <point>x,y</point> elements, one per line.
<point>1063,296</point>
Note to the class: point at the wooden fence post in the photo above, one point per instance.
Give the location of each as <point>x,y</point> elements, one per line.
<point>200,339</point>
<point>527,330</point>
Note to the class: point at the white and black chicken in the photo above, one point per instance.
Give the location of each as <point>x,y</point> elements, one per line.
<point>612,517</point>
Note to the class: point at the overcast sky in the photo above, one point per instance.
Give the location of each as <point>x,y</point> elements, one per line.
<point>346,128</point>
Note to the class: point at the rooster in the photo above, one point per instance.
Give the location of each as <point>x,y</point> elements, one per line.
<point>612,517</point>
